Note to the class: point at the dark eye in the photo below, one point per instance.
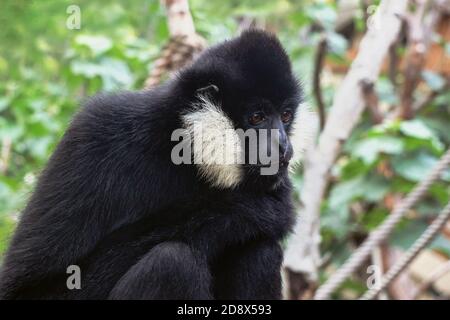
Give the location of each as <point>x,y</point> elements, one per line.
<point>286,116</point>
<point>257,118</point>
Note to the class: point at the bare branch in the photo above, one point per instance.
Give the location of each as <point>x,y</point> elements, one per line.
<point>371,100</point>
<point>184,43</point>
<point>420,27</point>
<point>317,90</point>
<point>179,18</point>
<point>303,255</point>
<point>393,63</point>
<point>415,60</point>
<point>377,260</point>
<point>5,154</point>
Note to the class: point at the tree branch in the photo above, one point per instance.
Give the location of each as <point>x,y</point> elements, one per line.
<point>371,100</point>
<point>5,154</point>
<point>415,60</point>
<point>184,43</point>
<point>317,90</point>
<point>302,254</point>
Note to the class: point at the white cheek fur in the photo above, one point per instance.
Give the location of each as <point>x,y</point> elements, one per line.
<point>216,146</point>
<point>303,133</point>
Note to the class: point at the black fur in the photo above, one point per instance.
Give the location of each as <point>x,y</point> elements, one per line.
<point>111,201</point>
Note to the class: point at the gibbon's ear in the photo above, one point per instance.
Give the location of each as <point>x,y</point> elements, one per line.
<point>210,90</point>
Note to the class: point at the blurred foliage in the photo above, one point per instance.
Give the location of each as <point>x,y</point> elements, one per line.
<point>46,70</point>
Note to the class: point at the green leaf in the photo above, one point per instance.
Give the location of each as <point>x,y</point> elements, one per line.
<point>374,188</point>
<point>368,150</point>
<point>263,8</point>
<point>415,167</point>
<point>406,233</point>
<point>87,69</point>
<point>344,192</point>
<point>336,43</point>
<point>336,220</point>
<point>97,44</point>
<point>386,91</point>
<point>4,103</point>
<point>441,190</point>
<point>322,13</point>
<point>40,148</point>
<point>370,188</point>
<point>405,236</point>
<point>417,129</point>
<point>442,244</point>
<point>113,72</point>
<point>351,168</point>
<point>374,218</point>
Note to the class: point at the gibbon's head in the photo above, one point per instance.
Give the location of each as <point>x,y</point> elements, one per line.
<point>245,102</point>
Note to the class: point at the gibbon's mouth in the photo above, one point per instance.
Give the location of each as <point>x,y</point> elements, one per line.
<point>259,165</point>
<point>283,164</point>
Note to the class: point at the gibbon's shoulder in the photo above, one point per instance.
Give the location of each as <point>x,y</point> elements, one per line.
<point>121,107</point>
<point>107,103</point>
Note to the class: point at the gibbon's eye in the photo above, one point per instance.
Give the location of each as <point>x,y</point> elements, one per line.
<point>256,118</point>
<point>286,116</point>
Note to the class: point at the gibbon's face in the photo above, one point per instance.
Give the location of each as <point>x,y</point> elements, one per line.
<point>247,99</point>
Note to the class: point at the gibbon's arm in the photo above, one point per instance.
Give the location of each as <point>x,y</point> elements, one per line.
<point>170,270</point>
<point>253,272</point>
<point>87,190</point>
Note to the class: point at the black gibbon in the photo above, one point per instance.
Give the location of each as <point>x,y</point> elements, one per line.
<point>139,226</point>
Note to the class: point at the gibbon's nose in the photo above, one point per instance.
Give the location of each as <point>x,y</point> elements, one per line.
<point>286,153</point>
<point>285,149</point>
